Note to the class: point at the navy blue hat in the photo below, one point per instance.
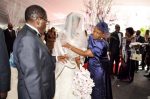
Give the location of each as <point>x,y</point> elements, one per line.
<point>103,27</point>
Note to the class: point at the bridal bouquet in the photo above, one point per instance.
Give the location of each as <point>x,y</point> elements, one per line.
<point>82,84</point>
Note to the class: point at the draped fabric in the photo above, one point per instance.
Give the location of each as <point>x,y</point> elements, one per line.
<point>14,11</point>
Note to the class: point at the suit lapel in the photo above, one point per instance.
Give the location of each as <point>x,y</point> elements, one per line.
<point>40,40</point>
<point>37,36</point>
<point>30,29</point>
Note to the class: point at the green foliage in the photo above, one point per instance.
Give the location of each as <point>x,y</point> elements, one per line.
<point>143,30</point>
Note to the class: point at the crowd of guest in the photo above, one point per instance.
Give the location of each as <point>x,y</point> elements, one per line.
<point>121,51</point>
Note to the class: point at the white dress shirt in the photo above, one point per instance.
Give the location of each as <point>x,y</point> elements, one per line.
<point>119,35</point>
<point>32,27</point>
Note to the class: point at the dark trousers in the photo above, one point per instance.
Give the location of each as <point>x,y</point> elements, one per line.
<point>143,60</point>
<point>115,58</point>
<point>131,69</point>
<point>131,66</point>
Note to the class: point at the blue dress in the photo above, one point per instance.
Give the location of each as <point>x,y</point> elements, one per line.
<point>99,69</point>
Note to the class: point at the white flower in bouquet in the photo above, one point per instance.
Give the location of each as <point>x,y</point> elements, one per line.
<point>82,84</point>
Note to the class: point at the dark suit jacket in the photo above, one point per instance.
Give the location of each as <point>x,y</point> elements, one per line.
<point>36,79</point>
<point>4,65</point>
<point>9,38</point>
<point>114,43</point>
<point>140,39</point>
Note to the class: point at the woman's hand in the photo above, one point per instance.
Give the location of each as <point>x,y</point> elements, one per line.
<point>67,45</point>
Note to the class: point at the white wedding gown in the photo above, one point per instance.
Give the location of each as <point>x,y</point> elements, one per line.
<point>64,72</point>
<point>74,34</point>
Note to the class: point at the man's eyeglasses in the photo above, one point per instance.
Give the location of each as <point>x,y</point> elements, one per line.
<point>47,22</point>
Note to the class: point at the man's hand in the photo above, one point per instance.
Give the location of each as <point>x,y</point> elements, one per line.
<point>62,58</point>
<point>3,95</point>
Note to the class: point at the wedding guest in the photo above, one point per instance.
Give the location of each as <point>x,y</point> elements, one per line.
<point>130,64</point>
<point>147,39</point>
<point>9,38</point>
<point>4,68</point>
<point>147,58</point>
<point>115,46</point>
<point>98,61</point>
<point>140,39</point>
<point>50,38</point>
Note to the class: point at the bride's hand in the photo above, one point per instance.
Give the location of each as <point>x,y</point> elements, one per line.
<point>63,58</point>
<point>78,61</point>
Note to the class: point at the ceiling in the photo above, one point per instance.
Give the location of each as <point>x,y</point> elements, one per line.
<point>56,9</point>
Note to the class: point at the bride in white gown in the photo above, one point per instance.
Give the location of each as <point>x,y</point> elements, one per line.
<point>73,33</point>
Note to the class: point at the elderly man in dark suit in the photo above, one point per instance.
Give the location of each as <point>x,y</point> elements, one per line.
<point>35,65</point>
<point>9,38</point>
<point>4,68</point>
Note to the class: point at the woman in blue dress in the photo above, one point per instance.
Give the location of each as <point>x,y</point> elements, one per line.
<point>98,61</point>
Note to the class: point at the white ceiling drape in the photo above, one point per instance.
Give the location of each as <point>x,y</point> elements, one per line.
<point>13,10</point>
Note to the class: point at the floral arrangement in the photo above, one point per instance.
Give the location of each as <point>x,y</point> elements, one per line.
<point>82,84</point>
